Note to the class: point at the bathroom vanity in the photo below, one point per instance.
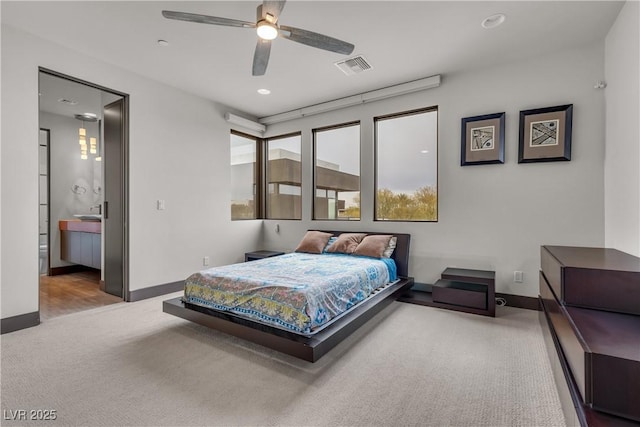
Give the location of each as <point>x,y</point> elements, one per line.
<point>80,242</point>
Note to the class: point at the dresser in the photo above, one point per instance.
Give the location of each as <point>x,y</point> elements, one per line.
<point>590,299</point>
<point>460,289</point>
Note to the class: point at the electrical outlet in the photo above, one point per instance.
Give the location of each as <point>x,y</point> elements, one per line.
<point>205,261</point>
<point>277,228</point>
<point>160,205</point>
<point>518,276</point>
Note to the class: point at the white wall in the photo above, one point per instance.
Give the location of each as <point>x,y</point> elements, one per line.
<point>622,159</point>
<point>179,151</point>
<point>491,216</point>
<point>67,170</point>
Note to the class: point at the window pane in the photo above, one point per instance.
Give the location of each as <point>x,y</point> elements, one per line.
<point>337,173</point>
<point>295,190</point>
<point>407,167</point>
<point>284,178</point>
<point>243,177</point>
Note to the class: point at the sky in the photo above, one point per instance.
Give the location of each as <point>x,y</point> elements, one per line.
<point>340,146</point>
<point>405,170</point>
<point>399,170</point>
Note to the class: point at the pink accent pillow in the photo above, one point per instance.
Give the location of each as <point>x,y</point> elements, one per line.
<point>373,245</point>
<point>346,243</point>
<point>313,242</point>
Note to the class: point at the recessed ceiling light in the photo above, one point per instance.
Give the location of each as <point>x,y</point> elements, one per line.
<point>87,117</point>
<point>67,101</point>
<point>163,42</point>
<point>264,91</point>
<point>424,151</point>
<point>493,21</point>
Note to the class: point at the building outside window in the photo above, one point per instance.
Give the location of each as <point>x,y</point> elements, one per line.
<point>407,166</point>
<point>243,176</point>
<point>284,177</point>
<point>337,172</point>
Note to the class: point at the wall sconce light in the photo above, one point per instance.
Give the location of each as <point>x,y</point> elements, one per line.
<point>98,152</point>
<point>83,142</point>
<point>82,135</point>
<point>600,84</point>
<point>78,189</point>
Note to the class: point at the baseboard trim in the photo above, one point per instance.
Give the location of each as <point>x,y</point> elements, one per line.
<point>21,321</point>
<point>519,301</point>
<point>67,269</point>
<point>155,291</point>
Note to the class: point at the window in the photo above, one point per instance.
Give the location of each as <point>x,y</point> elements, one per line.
<point>337,172</point>
<point>243,177</point>
<point>407,166</point>
<point>284,177</point>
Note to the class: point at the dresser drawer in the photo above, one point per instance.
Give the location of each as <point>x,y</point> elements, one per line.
<point>599,278</point>
<point>572,347</point>
<point>603,353</point>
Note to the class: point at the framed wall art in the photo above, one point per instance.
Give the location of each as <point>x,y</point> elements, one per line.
<point>482,140</point>
<point>545,134</point>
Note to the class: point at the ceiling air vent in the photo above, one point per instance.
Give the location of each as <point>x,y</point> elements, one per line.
<point>354,65</point>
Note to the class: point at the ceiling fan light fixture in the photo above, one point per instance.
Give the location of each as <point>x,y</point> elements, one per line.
<point>266,30</point>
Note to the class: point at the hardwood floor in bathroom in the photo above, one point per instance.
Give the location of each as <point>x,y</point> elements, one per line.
<point>70,293</point>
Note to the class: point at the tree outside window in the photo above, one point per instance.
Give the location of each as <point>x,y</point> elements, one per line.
<point>407,166</point>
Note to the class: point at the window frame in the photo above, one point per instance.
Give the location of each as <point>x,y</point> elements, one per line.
<point>314,132</point>
<point>258,170</point>
<point>413,112</point>
<point>265,177</point>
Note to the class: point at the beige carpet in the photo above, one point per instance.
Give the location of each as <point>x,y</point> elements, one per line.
<point>131,364</point>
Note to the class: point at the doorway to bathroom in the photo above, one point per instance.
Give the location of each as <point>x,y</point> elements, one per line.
<point>83,205</point>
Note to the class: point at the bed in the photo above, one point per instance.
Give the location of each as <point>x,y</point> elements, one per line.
<point>275,301</point>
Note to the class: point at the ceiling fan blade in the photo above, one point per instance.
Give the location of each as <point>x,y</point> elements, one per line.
<point>205,19</point>
<point>316,40</point>
<point>261,57</point>
<point>273,7</point>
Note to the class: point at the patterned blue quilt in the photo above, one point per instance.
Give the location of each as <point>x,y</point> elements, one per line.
<point>299,292</point>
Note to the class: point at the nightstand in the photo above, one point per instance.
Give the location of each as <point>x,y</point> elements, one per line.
<point>470,291</point>
<point>252,256</point>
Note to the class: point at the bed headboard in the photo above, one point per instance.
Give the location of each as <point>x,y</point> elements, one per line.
<point>400,254</point>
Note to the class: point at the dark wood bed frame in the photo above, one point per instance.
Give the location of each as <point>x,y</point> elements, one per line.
<point>313,347</point>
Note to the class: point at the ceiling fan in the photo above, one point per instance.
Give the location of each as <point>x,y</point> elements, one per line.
<point>268,29</point>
